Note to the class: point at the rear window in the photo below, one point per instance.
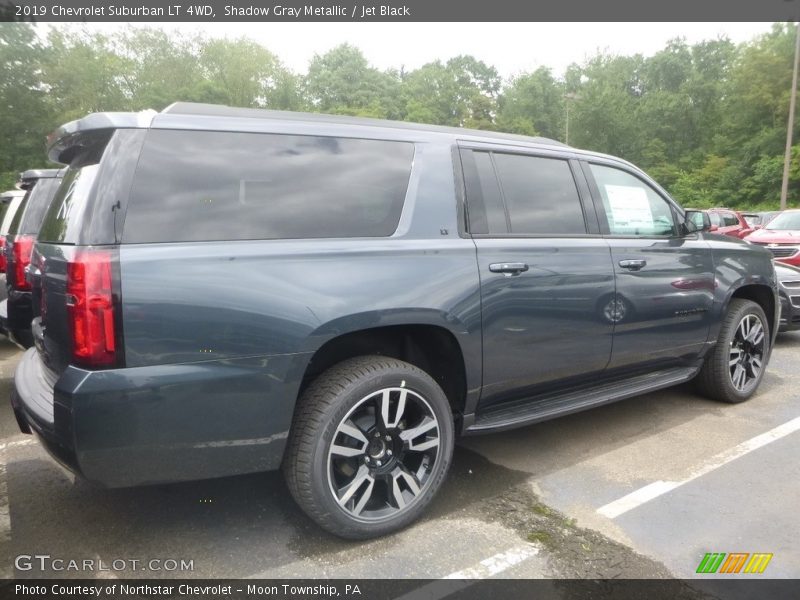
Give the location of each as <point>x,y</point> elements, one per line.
<point>204,186</point>
<point>28,218</point>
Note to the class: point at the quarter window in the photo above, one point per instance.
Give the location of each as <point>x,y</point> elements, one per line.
<point>631,206</point>
<point>206,185</point>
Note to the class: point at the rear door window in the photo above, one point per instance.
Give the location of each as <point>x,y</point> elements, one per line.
<point>520,194</point>
<point>206,185</point>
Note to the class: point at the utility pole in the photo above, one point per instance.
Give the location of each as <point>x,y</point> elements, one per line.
<point>568,97</point>
<point>787,159</point>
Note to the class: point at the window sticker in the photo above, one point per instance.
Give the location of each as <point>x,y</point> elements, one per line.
<point>630,207</point>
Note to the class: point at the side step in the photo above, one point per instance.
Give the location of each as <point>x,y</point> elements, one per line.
<point>519,413</point>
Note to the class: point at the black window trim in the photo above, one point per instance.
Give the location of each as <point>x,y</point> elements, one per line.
<point>590,219</point>
<point>605,229</point>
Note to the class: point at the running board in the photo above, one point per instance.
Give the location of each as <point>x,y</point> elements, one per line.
<point>521,413</point>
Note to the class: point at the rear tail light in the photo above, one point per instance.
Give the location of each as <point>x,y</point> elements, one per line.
<point>3,262</point>
<point>22,248</point>
<point>90,303</point>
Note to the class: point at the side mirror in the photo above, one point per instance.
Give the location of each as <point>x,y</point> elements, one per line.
<point>697,220</point>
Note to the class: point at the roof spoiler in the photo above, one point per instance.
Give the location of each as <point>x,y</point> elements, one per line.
<point>66,141</point>
<point>28,178</point>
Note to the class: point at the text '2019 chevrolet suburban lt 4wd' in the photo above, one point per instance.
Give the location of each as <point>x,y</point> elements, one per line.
<point>221,291</point>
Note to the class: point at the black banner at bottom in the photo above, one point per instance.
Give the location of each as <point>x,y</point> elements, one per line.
<point>403,589</point>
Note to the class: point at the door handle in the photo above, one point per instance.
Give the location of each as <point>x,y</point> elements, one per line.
<point>633,264</point>
<point>508,269</point>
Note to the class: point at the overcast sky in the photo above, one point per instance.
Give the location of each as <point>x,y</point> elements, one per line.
<point>511,47</point>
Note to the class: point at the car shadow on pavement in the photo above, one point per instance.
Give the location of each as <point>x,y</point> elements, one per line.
<point>229,527</point>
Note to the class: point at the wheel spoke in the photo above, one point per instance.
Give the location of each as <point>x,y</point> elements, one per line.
<point>364,497</point>
<point>755,362</point>
<point>744,327</point>
<point>412,434</point>
<point>349,490</point>
<point>735,356</point>
<point>411,483</point>
<point>386,407</point>
<point>349,428</point>
<point>346,451</point>
<point>739,376</point>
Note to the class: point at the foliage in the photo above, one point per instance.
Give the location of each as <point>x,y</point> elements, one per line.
<point>708,120</point>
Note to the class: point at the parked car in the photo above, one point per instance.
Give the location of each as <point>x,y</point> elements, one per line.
<point>15,312</point>
<point>753,220</point>
<point>221,290</point>
<point>789,290</point>
<point>781,236</point>
<point>9,203</point>
<point>766,217</point>
<point>729,222</point>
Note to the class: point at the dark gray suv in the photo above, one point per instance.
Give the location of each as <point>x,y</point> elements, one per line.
<point>221,291</point>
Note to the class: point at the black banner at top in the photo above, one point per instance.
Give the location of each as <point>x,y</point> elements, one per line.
<point>397,10</point>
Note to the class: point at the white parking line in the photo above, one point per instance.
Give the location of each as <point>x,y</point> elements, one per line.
<point>494,565</point>
<point>454,582</point>
<point>618,507</point>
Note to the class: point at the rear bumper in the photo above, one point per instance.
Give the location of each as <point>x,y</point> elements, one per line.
<point>160,424</point>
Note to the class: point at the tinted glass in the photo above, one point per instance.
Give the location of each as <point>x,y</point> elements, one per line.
<point>202,185</point>
<point>632,207</point>
<point>730,220</point>
<point>786,221</point>
<point>484,202</point>
<point>8,216</point>
<point>752,220</point>
<point>68,202</point>
<point>29,217</point>
<point>540,195</point>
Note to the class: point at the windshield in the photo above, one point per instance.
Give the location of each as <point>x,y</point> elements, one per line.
<point>752,220</point>
<point>785,221</point>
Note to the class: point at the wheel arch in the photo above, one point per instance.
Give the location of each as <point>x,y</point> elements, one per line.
<point>763,295</point>
<point>434,348</point>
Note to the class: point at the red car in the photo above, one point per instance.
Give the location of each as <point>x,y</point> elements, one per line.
<point>781,236</point>
<point>729,222</point>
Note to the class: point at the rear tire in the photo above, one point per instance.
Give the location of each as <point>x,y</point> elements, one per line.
<point>371,444</point>
<point>733,369</point>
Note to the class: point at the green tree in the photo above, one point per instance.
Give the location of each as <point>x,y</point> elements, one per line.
<point>533,104</point>
<point>25,114</point>
<point>82,73</point>
<point>342,81</point>
<point>462,93</point>
<point>243,73</point>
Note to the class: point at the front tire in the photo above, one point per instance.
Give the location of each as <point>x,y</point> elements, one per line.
<point>733,370</point>
<point>371,444</point>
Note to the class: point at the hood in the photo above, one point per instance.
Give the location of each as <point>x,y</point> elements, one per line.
<point>769,236</point>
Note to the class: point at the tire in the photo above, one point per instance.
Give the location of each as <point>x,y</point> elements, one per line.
<point>345,447</point>
<point>721,379</point>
